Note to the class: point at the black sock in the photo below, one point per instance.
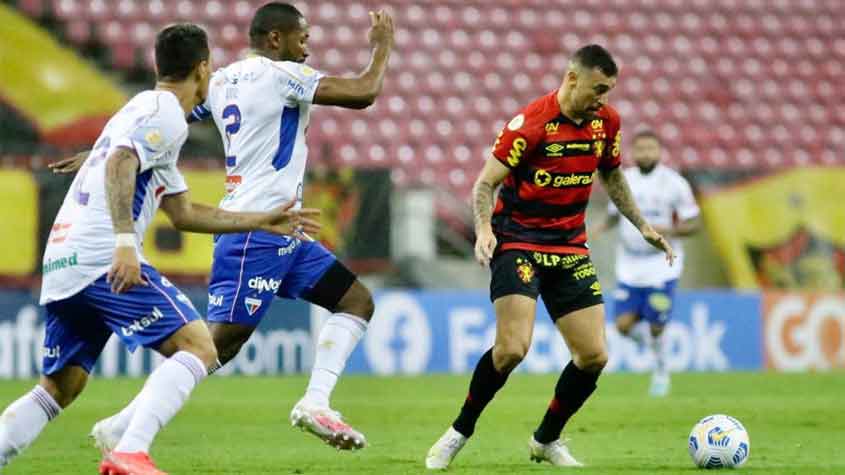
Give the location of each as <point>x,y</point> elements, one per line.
<point>573,388</point>
<point>485,382</point>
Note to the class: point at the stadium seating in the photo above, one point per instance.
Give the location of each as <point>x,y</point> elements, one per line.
<point>726,83</point>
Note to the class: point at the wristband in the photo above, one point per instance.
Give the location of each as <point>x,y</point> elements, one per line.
<point>126,240</point>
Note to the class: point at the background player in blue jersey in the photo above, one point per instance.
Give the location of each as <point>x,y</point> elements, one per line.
<point>261,106</point>
<point>96,280</point>
<point>646,285</point>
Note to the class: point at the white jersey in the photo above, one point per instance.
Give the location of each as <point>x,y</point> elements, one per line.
<point>662,196</point>
<point>82,240</point>
<point>261,108</point>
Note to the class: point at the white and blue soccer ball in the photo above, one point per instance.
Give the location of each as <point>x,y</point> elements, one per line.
<point>719,441</point>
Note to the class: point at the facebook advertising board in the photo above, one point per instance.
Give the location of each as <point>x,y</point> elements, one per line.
<point>418,332</point>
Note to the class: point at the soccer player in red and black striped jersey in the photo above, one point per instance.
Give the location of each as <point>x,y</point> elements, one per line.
<point>536,245</point>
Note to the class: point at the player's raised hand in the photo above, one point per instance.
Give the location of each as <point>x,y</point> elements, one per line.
<point>657,240</point>
<point>125,271</point>
<point>68,165</point>
<point>381,29</point>
<point>286,221</point>
<point>485,244</point>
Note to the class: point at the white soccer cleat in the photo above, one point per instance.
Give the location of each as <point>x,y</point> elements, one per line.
<point>659,384</point>
<point>555,452</point>
<point>105,438</point>
<point>327,425</point>
<point>440,454</point>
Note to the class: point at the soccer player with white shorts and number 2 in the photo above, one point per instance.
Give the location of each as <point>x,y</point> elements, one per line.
<point>96,280</point>
<point>645,283</point>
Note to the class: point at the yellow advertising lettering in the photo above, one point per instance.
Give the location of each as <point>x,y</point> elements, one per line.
<point>515,154</point>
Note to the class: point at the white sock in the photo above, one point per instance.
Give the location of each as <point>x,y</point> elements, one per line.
<point>23,420</point>
<point>339,336</point>
<point>657,349</point>
<point>166,391</point>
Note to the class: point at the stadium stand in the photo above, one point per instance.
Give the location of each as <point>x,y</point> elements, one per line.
<point>724,90</point>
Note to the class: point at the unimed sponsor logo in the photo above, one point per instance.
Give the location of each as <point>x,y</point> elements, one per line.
<point>59,263</point>
<point>804,331</point>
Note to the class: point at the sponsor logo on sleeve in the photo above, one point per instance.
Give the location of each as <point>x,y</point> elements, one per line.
<point>516,151</point>
<point>516,122</point>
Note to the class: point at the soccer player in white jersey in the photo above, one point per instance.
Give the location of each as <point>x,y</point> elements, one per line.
<point>96,280</point>
<point>261,106</point>
<point>645,282</point>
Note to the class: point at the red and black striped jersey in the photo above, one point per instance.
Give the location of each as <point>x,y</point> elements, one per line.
<point>542,202</point>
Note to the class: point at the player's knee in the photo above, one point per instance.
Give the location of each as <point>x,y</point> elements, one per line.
<point>624,324</point>
<point>592,361</point>
<point>359,303</point>
<point>507,356</point>
<point>204,350</point>
<point>64,391</point>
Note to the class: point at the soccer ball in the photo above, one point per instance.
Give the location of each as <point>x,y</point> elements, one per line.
<point>719,441</point>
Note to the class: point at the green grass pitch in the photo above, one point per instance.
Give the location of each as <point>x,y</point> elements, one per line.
<point>239,425</point>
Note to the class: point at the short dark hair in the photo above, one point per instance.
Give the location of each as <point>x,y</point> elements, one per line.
<point>279,16</point>
<point>179,49</point>
<point>646,134</point>
<point>595,56</point>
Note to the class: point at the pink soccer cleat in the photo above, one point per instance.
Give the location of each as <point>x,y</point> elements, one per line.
<point>328,425</point>
<point>124,463</point>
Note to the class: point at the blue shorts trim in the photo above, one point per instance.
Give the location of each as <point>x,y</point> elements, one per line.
<point>78,327</point>
<point>249,269</point>
<point>652,304</point>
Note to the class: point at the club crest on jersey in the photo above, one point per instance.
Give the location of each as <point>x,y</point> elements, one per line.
<point>552,127</point>
<point>153,137</point>
<point>252,305</point>
<point>524,270</point>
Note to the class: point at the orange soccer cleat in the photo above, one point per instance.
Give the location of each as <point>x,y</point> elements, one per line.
<point>124,463</point>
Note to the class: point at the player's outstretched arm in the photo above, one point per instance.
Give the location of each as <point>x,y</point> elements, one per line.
<point>69,165</point>
<point>483,192</point>
<point>121,171</point>
<point>199,218</point>
<point>684,228</point>
<point>620,193</point>
<point>361,92</point>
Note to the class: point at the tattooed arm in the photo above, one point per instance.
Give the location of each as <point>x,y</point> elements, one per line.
<point>491,176</point>
<point>619,192</point>
<point>121,170</point>
<point>199,218</point>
